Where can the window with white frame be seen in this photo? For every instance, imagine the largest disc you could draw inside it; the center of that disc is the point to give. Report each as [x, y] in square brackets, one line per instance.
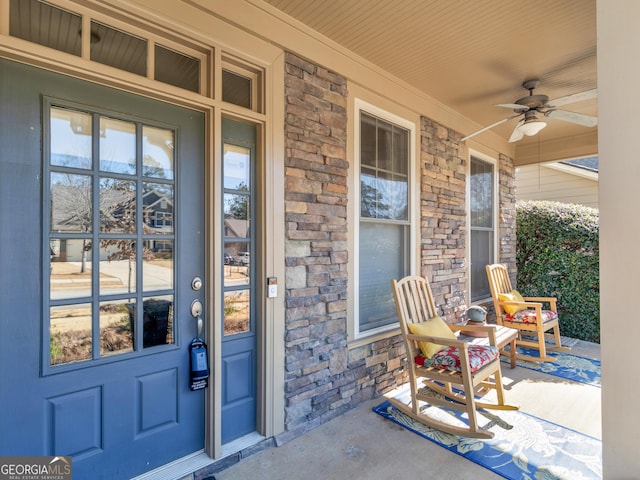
[384, 238]
[482, 198]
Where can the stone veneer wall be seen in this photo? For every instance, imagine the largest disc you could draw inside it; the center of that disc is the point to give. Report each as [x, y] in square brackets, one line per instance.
[324, 377]
[443, 221]
[507, 219]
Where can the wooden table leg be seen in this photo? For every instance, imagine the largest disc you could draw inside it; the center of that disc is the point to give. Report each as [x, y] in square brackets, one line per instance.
[512, 352]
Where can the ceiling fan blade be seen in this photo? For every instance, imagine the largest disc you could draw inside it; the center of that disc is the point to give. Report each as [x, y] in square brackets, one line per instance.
[513, 106]
[489, 127]
[516, 134]
[573, 117]
[573, 98]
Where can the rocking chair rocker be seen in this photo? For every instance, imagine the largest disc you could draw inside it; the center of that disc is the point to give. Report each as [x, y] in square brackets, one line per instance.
[437, 359]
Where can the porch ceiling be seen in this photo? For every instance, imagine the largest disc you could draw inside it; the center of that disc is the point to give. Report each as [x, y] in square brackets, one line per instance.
[471, 55]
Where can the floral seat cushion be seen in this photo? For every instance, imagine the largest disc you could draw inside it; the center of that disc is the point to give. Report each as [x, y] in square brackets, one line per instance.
[529, 316]
[449, 358]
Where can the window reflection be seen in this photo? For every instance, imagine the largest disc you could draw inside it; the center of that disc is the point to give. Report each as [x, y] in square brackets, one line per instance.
[70, 273]
[158, 208]
[157, 269]
[70, 333]
[237, 262]
[117, 205]
[70, 138]
[236, 207]
[236, 312]
[117, 266]
[237, 165]
[71, 203]
[157, 320]
[157, 152]
[117, 146]
[116, 330]
[127, 282]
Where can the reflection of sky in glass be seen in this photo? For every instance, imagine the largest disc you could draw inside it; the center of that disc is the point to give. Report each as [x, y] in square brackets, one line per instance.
[70, 138]
[117, 146]
[157, 152]
[236, 167]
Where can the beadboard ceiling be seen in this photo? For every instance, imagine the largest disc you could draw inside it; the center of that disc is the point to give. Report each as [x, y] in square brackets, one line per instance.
[470, 54]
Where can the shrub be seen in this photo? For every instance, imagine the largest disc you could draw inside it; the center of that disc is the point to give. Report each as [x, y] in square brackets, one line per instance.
[557, 254]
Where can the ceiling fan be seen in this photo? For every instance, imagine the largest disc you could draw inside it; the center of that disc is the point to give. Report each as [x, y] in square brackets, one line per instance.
[530, 106]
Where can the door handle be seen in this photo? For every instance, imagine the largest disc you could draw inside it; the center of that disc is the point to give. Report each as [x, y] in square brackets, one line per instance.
[196, 312]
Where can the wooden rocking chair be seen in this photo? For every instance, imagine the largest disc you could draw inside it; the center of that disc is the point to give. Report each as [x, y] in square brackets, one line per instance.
[438, 360]
[526, 314]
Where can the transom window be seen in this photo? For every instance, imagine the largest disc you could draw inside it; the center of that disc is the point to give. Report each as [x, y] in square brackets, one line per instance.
[384, 226]
[109, 233]
[54, 27]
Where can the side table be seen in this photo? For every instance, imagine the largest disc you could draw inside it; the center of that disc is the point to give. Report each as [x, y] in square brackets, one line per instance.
[504, 336]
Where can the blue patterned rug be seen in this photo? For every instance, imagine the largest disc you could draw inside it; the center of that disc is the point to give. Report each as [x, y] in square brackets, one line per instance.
[571, 367]
[524, 447]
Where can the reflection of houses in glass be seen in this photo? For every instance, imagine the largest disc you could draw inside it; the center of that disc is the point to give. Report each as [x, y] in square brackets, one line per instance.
[236, 228]
[71, 212]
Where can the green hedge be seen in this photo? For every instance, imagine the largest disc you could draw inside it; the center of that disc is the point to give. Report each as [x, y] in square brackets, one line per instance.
[557, 255]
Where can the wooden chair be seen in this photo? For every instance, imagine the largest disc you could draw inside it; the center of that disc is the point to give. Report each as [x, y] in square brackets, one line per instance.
[437, 359]
[526, 314]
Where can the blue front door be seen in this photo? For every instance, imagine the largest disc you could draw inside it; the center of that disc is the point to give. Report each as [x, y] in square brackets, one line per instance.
[102, 234]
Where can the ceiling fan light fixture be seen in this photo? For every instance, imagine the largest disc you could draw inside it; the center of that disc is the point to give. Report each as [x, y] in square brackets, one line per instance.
[531, 126]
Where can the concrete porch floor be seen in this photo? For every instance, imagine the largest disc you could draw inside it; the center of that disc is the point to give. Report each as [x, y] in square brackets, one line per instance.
[362, 445]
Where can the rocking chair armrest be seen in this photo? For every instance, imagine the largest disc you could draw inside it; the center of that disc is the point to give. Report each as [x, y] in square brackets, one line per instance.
[522, 304]
[550, 300]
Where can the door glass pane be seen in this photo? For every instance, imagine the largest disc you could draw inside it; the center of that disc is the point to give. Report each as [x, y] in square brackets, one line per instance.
[237, 262]
[237, 165]
[70, 138]
[134, 266]
[70, 333]
[157, 322]
[71, 203]
[158, 208]
[117, 146]
[237, 311]
[117, 266]
[70, 273]
[117, 205]
[157, 152]
[236, 208]
[116, 329]
[157, 267]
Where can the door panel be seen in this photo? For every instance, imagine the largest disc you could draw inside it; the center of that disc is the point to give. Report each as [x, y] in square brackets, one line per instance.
[239, 377]
[120, 409]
